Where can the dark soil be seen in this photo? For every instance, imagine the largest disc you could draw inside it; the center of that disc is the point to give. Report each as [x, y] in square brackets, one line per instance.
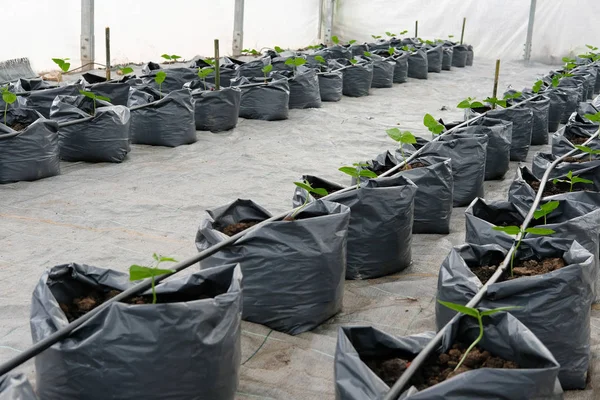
[438, 368]
[234, 229]
[551, 189]
[18, 126]
[576, 160]
[521, 269]
[578, 140]
[407, 167]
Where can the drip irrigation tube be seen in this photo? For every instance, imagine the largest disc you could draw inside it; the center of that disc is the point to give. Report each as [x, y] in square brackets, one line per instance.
[145, 285]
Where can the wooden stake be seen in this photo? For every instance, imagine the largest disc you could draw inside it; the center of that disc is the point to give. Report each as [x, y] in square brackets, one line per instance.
[217, 66]
[107, 53]
[462, 34]
[416, 29]
[496, 81]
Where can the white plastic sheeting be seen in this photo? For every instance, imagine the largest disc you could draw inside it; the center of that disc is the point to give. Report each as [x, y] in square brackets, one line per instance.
[496, 28]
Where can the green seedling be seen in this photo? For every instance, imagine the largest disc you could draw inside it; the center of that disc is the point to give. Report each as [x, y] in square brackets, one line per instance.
[173, 58]
[478, 315]
[94, 97]
[309, 190]
[125, 70]
[203, 73]
[571, 180]
[450, 36]
[353, 60]
[430, 42]
[8, 97]
[159, 79]
[590, 54]
[335, 40]
[434, 126]
[402, 137]
[516, 230]
[266, 69]
[593, 117]
[295, 62]
[314, 47]
[210, 61]
[351, 42]
[366, 54]
[357, 171]
[139, 272]
[494, 101]
[588, 150]
[376, 37]
[62, 63]
[252, 52]
[279, 49]
[537, 86]
[557, 77]
[404, 32]
[570, 63]
[320, 59]
[545, 209]
[390, 34]
[470, 102]
[391, 51]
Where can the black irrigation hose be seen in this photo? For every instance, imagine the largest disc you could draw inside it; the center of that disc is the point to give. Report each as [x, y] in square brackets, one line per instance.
[400, 384]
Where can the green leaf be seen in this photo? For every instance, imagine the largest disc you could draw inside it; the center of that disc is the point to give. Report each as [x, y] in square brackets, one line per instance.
[160, 77]
[585, 149]
[351, 41]
[537, 86]
[289, 61]
[464, 104]
[298, 61]
[335, 39]
[204, 72]
[367, 173]
[391, 51]
[461, 309]
[353, 61]
[320, 191]
[477, 104]
[509, 230]
[390, 34]
[103, 98]
[434, 127]
[174, 57]
[304, 185]
[8, 97]
[166, 56]
[166, 259]
[450, 36]
[267, 68]
[138, 272]
[593, 117]
[349, 171]
[555, 81]
[401, 136]
[404, 32]
[87, 94]
[539, 231]
[577, 179]
[376, 36]
[497, 310]
[320, 59]
[366, 54]
[279, 49]
[546, 209]
[126, 70]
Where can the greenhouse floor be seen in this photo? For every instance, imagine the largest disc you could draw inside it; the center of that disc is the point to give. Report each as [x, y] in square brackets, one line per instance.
[114, 215]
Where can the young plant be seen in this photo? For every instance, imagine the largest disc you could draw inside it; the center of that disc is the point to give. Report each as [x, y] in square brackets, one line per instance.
[366, 53]
[62, 63]
[571, 180]
[390, 34]
[335, 40]
[309, 190]
[478, 315]
[8, 97]
[588, 150]
[252, 52]
[450, 36]
[593, 117]
[357, 171]
[203, 73]
[353, 60]
[557, 77]
[173, 58]
[295, 62]
[470, 102]
[94, 97]
[376, 37]
[139, 272]
[351, 42]
[537, 86]
[159, 79]
[266, 69]
[125, 70]
[320, 60]
[404, 32]
[434, 126]
[279, 49]
[590, 54]
[570, 63]
[391, 51]
[545, 209]
[402, 137]
[516, 230]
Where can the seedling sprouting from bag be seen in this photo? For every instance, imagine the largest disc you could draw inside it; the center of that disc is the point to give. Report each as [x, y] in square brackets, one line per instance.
[493, 101]
[353, 60]
[478, 315]
[320, 59]
[278, 49]
[591, 54]
[125, 70]
[366, 54]
[309, 190]
[94, 97]
[556, 78]
[593, 117]
[434, 126]
[351, 42]
[391, 51]
[516, 230]
[203, 73]
[63, 64]
[470, 102]
[402, 137]
[159, 79]
[335, 40]
[173, 57]
[588, 150]
[357, 171]
[570, 63]
[266, 69]
[537, 86]
[376, 37]
[545, 209]
[571, 180]
[390, 34]
[404, 32]
[295, 62]
[252, 52]
[139, 272]
[8, 97]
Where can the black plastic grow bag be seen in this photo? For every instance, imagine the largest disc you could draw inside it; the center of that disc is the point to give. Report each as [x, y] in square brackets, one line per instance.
[196, 333]
[331, 85]
[504, 336]
[470, 55]
[540, 107]
[29, 154]
[401, 68]
[555, 306]
[165, 122]
[304, 88]
[217, 110]
[41, 100]
[383, 72]
[435, 57]
[459, 56]
[117, 92]
[293, 270]
[266, 102]
[381, 220]
[357, 79]
[335, 52]
[174, 80]
[587, 169]
[417, 64]
[447, 58]
[15, 386]
[103, 137]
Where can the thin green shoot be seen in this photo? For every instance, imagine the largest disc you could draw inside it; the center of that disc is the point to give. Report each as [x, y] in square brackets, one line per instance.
[253, 52]
[309, 190]
[402, 137]
[571, 180]
[434, 126]
[588, 150]
[478, 315]
[94, 97]
[357, 170]
[9, 98]
[516, 230]
[266, 69]
[139, 272]
[159, 78]
[545, 209]
[295, 62]
[203, 73]
[470, 102]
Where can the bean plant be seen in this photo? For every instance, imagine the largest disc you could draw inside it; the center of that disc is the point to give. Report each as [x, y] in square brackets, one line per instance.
[266, 69]
[390, 34]
[278, 49]
[593, 117]
[173, 57]
[571, 180]
[478, 315]
[470, 102]
[252, 52]
[203, 73]
[320, 59]
[402, 137]
[309, 190]
[376, 37]
[434, 126]
[517, 230]
[295, 62]
[9, 98]
[94, 97]
[159, 78]
[588, 150]
[125, 70]
[357, 170]
[139, 272]
[537, 86]
[63, 63]
[545, 209]
[591, 54]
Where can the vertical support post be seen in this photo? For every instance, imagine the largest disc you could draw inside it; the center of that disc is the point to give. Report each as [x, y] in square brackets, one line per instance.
[462, 33]
[217, 66]
[416, 29]
[87, 50]
[107, 32]
[238, 28]
[530, 30]
[329, 22]
[496, 75]
[320, 29]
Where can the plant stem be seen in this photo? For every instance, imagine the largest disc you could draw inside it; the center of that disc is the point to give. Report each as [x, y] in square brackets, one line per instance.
[302, 206]
[571, 187]
[160, 89]
[512, 259]
[5, 111]
[153, 292]
[474, 343]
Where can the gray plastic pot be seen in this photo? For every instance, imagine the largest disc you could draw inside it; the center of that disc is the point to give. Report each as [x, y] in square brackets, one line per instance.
[15, 386]
[216, 110]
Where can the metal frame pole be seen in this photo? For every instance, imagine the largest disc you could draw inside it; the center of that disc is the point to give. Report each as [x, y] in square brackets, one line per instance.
[530, 30]
[329, 22]
[238, 28]
[87, 51]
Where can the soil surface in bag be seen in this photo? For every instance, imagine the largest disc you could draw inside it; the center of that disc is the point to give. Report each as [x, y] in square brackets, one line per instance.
[18, 126]
[439, 367]
[80, 306]
[554, 188]
[236, 228]
[521, 269]
[407, 167]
